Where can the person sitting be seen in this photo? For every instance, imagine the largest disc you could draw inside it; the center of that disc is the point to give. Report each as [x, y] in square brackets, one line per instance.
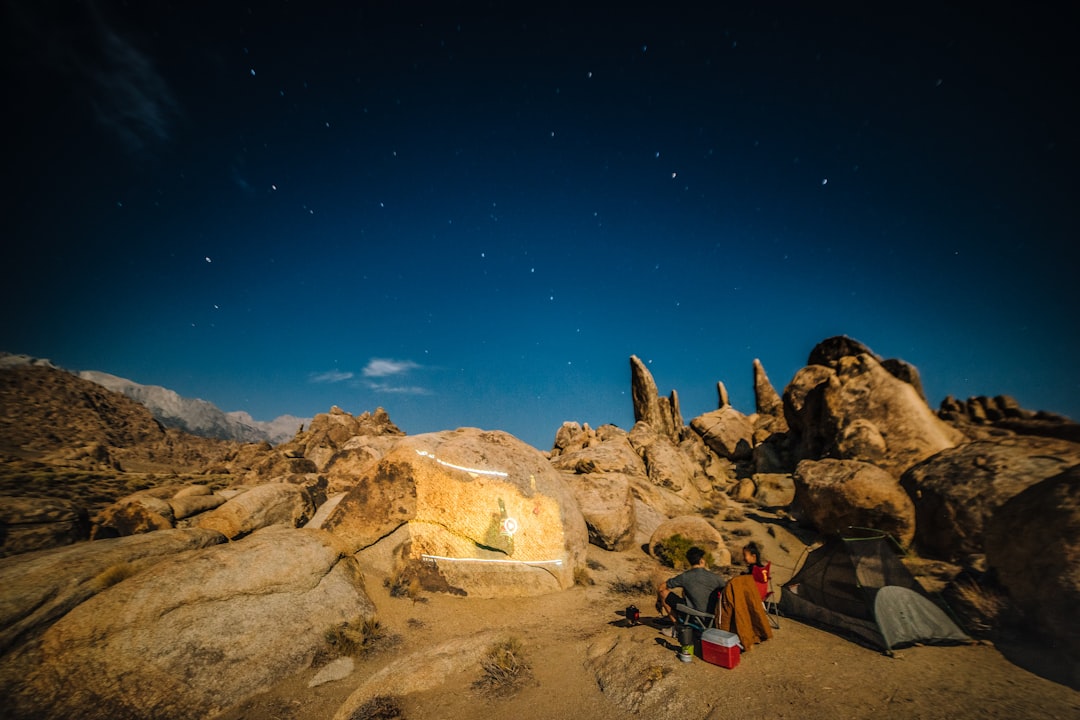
[699, 588]
[751, 554]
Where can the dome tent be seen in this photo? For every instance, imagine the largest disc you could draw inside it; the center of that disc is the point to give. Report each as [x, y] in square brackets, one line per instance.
[858, 587]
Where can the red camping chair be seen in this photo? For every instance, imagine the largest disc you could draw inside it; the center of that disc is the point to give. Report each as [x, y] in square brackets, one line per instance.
[763, 579]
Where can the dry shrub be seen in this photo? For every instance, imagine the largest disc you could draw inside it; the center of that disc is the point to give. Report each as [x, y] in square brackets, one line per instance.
[594, 565]
[380, 707]
[641, 586]
[981, 608]
[405, 584]
[582, 577]
[505, 669]
[651, 676]
[359, 637]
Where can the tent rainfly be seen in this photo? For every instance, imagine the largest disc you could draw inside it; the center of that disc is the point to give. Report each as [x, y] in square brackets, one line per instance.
[858, 586]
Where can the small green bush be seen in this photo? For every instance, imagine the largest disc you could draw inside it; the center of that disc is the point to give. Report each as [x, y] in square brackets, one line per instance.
[672, 552]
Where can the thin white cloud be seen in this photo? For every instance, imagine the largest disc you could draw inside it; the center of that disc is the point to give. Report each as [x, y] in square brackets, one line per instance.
[399, 389]
[382, 367]
[330, 376]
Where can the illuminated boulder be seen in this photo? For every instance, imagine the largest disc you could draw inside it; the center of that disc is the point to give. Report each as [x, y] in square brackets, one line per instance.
[467, 511]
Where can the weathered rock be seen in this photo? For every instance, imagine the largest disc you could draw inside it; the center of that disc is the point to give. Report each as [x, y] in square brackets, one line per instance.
[343, 469]
[1033, 544]
[607, 504]
[188, 637]
[660, 499]
[766, 400]
[774, 489]
[957, 490]
[635, 679]
[37, 588]
[772, 455]
[502, 519]
[138, 513]
[259, 507]
[337, 669]
[857, 410]
[188, 505]
[723, 400]
[193, 491]
[744, 491]
[28, 524]
[718, 472]
[669, 467]
[611, 456]
[727, 432]
[906, 372]
[831, 350]
[426, 669]
[649, 407]
[324, 510]
[833, 495]
[674, 537]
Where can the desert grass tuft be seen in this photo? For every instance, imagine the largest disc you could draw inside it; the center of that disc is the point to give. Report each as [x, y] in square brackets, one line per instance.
[380, 707]
[582, 577]
[359, 637]
[505, 669]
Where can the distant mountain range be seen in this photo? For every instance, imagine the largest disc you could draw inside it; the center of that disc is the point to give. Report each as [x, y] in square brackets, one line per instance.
[191, 415]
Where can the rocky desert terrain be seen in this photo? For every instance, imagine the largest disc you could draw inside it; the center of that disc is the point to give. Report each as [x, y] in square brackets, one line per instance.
[358, 572]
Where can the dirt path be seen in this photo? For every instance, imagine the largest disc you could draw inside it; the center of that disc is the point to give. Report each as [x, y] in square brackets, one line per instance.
[803, 672]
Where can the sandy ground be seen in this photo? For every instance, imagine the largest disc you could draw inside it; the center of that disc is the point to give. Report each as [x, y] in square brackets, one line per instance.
[577, 643]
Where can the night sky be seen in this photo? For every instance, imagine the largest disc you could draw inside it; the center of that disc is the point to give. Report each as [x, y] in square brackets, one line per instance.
[473, 214]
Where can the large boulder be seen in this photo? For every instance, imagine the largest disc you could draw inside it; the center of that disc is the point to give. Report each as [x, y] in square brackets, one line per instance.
[141, 512]
[833, 495]
[671, 540]
[773, 489]
[957, 490]
[194, 634]
[855, 409]
[39, 587]
[727, 432]
[1033, 545]
[259, 507]
[28, 524]
[487, 509]
[607, 503]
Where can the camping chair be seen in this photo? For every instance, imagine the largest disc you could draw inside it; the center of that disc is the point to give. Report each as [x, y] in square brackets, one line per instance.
[700, 621]
[763, 579]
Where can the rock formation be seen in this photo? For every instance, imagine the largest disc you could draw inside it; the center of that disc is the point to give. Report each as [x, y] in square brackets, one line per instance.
[193, 634]
[727, 432]
[848, 406]
[1033, 545]
[37, 523]
[957, 490]
[833, 495]
[490, 512]
[661, 414]
[979, 418]
[766, 400]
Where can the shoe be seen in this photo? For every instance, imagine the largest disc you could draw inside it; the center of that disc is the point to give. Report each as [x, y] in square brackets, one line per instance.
[668, 632]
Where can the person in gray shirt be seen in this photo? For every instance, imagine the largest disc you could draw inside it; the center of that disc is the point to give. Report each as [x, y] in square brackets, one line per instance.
[699, 588]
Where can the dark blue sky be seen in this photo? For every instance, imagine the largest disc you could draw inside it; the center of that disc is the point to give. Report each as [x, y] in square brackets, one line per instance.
[473, 215]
